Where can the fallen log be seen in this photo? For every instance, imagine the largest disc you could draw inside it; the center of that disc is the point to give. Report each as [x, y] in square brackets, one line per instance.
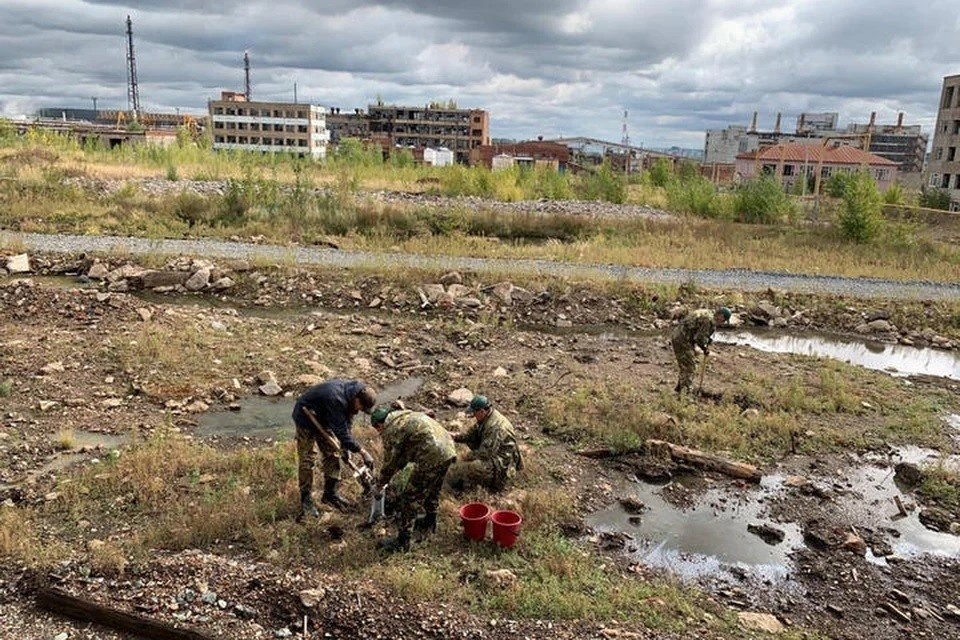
[608, 452]
[62, 603]
[704, 460]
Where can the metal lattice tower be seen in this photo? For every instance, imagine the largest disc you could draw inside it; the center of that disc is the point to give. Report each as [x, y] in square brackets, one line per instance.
[133, 89]
[246, 74]
[625, 136]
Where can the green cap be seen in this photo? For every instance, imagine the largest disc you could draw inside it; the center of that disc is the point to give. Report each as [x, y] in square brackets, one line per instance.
[379, 415]
[726, 313]
[479, 402]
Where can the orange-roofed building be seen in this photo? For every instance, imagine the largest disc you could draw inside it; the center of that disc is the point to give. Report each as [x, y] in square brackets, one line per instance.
[789, 162]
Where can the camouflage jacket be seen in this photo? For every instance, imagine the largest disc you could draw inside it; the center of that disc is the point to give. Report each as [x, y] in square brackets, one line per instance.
[414, 437]
[696, 329]
[494, 441]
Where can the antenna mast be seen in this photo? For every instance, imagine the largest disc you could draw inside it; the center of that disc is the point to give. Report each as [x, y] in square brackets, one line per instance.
[246, 74]
[133, 89]
[625, 136]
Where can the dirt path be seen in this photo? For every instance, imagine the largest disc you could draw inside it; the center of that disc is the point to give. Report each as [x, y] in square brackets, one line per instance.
[743, 280]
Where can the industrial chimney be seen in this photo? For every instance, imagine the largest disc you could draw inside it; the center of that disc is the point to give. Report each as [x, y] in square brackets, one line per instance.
[776, 127]
[753, 124]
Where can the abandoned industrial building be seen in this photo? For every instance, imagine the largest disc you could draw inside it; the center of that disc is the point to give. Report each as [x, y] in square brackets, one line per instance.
[268, 127]
[944, 168]
[459, 130]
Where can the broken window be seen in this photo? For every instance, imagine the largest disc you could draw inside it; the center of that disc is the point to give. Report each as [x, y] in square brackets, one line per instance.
[934, 179]
[945, 181]
[947, 97]
[951, 154]
[939, 153]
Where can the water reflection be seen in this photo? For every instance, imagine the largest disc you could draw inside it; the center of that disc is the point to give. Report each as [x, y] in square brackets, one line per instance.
[896, 359]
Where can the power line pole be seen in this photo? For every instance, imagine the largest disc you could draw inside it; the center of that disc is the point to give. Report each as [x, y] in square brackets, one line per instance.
[133, 89]
[246, 74]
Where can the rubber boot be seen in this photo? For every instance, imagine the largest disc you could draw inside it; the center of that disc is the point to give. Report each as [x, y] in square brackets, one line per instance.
[400, 543]
[331, 495]
[426, 524]
[307, 506]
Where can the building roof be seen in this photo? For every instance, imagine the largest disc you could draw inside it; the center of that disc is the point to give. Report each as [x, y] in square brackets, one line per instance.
[829, 154]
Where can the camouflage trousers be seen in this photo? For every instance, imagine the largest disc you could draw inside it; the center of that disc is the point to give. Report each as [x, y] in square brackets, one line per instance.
[416, 485]
[464, 476]
[307, 446]
[687, 362]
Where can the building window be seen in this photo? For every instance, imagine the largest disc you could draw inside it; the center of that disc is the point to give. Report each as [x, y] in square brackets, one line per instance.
[218, 139]
[880, 175]
[939, 154]
[934, 180]
[956, 127]
[218, 111]
[951, 154]
[788, 170]
[947, 97]
[945, 181]
[956, 182]
[218, 125]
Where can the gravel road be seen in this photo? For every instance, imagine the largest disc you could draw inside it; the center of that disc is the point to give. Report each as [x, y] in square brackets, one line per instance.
[740, 279]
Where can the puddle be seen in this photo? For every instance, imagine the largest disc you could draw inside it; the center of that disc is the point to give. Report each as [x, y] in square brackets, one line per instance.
[899, 360]
[266, 418]
[83, 446]
[709, 538]
[403, 389]
[259, 417]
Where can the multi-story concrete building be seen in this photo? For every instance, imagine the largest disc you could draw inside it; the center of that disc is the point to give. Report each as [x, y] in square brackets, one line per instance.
[269, 127]
[944, 168]
[353, 124]
[459, 130]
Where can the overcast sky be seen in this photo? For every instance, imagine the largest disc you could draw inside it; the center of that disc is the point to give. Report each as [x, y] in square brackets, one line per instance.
[540, 67]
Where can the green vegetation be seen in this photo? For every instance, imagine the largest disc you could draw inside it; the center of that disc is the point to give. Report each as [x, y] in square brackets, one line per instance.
[861, 218]
[763, 201]
[935, 199]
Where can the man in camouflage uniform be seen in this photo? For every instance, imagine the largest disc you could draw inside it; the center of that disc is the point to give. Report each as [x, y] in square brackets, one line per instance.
[695, 330]
[494, 456]
[418, 445]
[334, 403]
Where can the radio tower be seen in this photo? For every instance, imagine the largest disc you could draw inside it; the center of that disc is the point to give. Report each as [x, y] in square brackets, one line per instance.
[133, 89]
[246, 74]
[625, 137]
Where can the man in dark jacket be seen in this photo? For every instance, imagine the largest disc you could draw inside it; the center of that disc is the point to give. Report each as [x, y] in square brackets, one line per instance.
[334, 403]
[415, 442]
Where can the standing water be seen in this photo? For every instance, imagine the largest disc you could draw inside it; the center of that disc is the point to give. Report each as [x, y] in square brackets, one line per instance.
[896, 359]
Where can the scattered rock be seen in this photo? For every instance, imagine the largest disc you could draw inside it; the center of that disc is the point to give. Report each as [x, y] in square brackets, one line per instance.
[271, 388]
[632, 506]
[855, 543]
[768, 533]
[310, 598]
[52, 367]
[198, 281]
[460, 397]
[501, 578]
[753, 621]
[936, 519]
[499, 372]
[908, 473]
[452, 277]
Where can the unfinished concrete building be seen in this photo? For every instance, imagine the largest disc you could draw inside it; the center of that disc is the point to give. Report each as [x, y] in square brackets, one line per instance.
[268, 127]
[459, 130]
[352, 124]
[944, 168]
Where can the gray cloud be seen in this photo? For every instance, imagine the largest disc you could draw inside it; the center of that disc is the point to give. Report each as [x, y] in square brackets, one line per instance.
[541, 67]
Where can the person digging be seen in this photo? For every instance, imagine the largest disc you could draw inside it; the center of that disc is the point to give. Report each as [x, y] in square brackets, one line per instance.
[332, 406]
[414, 444]
[695, 331]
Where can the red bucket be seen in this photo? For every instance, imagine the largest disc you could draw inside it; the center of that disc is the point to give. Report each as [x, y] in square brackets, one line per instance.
[474, 517]
[506, 527]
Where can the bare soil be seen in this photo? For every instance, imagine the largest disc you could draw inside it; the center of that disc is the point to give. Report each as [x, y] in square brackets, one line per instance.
[58, 349]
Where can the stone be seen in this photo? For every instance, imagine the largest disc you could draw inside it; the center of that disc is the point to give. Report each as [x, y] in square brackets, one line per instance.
[457, 290]
[19, 263]
[908, 473]
[501, 578]
[936, 519]
[51, 368]
[632, 506]
[754, 621]
[111, 403]
[880, 326]
[460, 397]
[266, 376]
[271, 388]
[503, 292]
[453, 277]
[221, 284]
[855, 543]
[145, 314]
[47, 405]
[154, 279]
[433, 292]
[469, 302]
[310, 598]
[499, 372]
[309, 380]
[768, 533]
[98, 271]
[199, 280]
[750, 414]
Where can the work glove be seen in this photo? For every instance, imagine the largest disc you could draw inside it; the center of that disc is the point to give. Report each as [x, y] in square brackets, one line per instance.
[367, 459]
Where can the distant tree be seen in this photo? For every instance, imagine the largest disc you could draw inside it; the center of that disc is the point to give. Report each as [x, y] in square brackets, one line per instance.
[861, 217]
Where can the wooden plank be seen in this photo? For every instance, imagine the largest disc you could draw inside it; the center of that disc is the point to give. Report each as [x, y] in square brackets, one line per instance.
[705, 460]
[62, 603]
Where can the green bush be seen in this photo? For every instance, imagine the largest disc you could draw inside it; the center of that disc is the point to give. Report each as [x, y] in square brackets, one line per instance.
[861, 216]
[894, 194]
[763, 201]
[935, 199]
[695, 195]
[661, 173]
[604, 184]
[837, 184]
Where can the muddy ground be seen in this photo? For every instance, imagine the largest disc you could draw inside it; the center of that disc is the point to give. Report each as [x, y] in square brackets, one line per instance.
[66, 354]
